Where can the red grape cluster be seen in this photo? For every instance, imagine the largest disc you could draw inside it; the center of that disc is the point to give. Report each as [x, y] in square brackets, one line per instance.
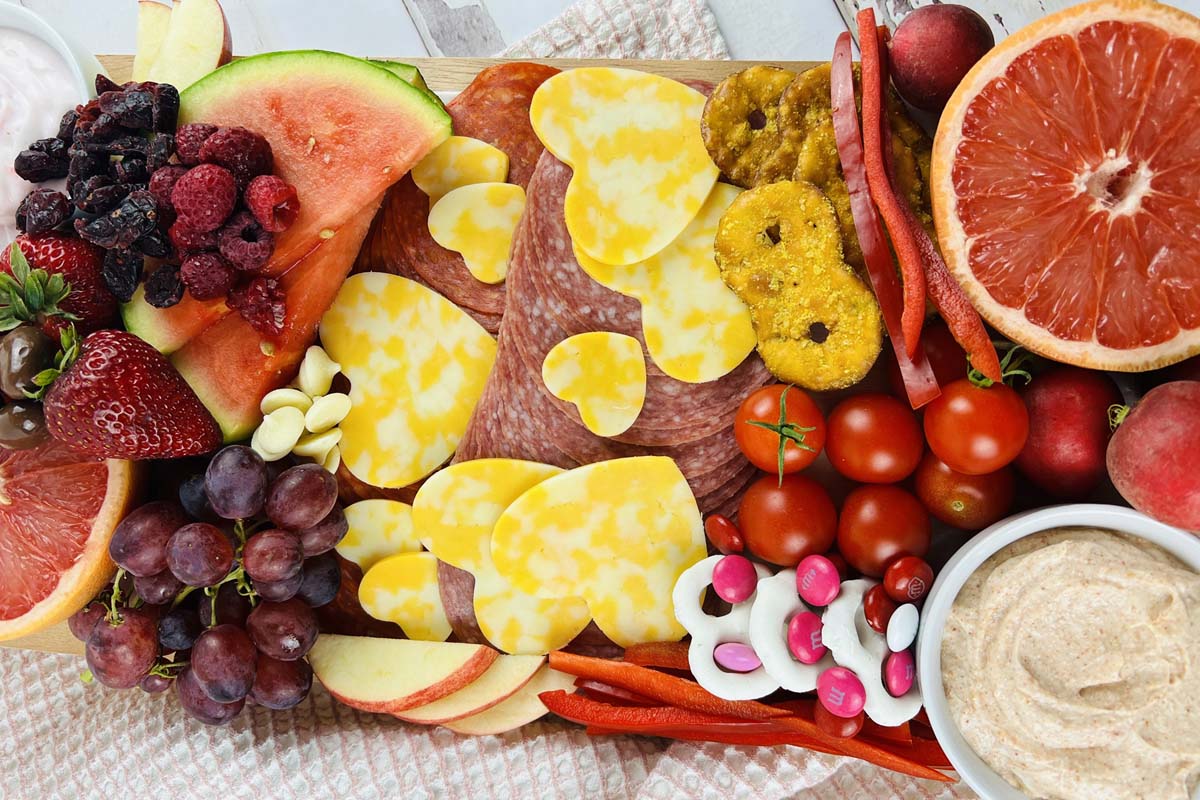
[215, 593]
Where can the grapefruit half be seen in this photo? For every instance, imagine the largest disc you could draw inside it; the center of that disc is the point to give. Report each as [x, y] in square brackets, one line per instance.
[1066, 185]
[58, 511]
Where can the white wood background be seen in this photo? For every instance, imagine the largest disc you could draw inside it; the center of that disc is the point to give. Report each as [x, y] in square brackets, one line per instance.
[754, 29]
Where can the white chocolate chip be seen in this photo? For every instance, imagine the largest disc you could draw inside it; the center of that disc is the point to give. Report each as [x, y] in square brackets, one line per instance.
[267, 455]
[316, 372]
[317, 445]
[333, 460]
[280, 430]
[326, 412]
[281, 398]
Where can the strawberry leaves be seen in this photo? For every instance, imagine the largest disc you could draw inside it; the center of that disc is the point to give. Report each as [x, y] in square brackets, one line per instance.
[68, 351]
[30, 295]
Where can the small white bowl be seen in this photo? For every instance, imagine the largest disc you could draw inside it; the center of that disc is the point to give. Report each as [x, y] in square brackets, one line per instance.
[978, 775]
[83, 65]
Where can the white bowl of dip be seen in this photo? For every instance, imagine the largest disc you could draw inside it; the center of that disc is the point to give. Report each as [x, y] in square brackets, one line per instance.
[950, 581]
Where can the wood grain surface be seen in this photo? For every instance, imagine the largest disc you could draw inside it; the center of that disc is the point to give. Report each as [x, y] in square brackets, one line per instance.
[442, 74]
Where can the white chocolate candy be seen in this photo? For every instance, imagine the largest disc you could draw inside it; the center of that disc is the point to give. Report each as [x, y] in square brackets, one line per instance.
[902, 627]
[326, 412]
[278, 433]
[775, 603]
[317, 371]
[317, 445]
[282, 398]
[333, 459]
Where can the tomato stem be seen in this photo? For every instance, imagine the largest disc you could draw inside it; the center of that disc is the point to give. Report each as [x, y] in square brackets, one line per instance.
[1014, 365]
[787, 431]
[1117, 414]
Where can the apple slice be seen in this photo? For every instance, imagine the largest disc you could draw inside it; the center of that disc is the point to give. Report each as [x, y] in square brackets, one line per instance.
[390, 675]
[197, 42]
[153, 18]
[503, 679]
[519, 709]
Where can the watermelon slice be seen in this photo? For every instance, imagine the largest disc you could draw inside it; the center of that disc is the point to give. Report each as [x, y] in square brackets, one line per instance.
[342, 130]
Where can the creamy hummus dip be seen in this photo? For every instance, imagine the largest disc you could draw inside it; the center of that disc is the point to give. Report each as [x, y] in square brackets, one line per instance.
[1071, 664]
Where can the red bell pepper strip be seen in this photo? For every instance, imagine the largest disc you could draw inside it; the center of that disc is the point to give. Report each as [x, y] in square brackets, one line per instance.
[611, 694]
[665, 655]
[725, 734]
[690, 695]
[922, 751]
[919, 381]
[900, 734]
[907, 252]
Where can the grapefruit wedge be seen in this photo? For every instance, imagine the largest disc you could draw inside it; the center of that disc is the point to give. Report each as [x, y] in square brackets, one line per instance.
[1066, 185]
[57, 512]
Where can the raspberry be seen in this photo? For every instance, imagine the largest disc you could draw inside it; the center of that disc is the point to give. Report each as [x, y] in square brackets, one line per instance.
[205, 197]
[244, 243]
[262, 304]
[187, 240]
[189, 139]
[272, 202]
[241, 151]
[164, 288]
[206, 276]
[161, 184]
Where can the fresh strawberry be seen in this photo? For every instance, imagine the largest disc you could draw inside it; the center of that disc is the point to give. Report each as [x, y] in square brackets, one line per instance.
[85, 298]
[123, 399]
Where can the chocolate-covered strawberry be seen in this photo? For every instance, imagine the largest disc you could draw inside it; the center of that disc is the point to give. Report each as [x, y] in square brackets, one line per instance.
[123, 399]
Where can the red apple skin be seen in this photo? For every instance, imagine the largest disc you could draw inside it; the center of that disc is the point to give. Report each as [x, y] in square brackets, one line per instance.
[933, 49]
[227, 42]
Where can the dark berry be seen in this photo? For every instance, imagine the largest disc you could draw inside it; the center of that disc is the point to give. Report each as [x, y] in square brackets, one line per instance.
[66, 126]
[194, 498]
[243, 152]
[207, 276]
[189, 139]
[85, 165]
[262, 304]
[43, 210]
[102, 129]
[165, 108]
[106, 84]
[244, 243]
[52, 147]
[163, 181]
[178, 628]
[130, 108]
[98, 194]
[204, 197]
[154, 244]
[161, 148]
[122, 273]
[133, 218]
[164, 288]
[186, 240]
[130, 170]
[37, 167]
[273, 202]
[120, 146]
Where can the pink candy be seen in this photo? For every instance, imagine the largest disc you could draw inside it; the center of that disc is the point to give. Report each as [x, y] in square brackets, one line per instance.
[841, 692]
[804, 638]
[736, 657]
[899, 673]
[817, 580]
[734, 579]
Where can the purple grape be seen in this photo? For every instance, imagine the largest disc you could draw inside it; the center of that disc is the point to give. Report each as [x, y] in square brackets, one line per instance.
[194, 499]
[201, 706]
[158, 589]
[154, 684]
[223, 663]
[280, 685]
[325, 535]
[322, 579]
[83, 621]
[178, 629]
[236, 482]
[199, 554]
[272, 555]
[139, 544]
[120, 655]
[286, 631]
[301, 497]
[231, 607]
[278, 591]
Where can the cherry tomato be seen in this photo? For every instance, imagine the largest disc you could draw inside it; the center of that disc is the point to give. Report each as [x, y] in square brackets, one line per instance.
[970, 502]
[878, 608]
[761, 445]
[976, 430]
[783, 523]
[841, 727]
[947, 358]
[874, 438]
[880, 523]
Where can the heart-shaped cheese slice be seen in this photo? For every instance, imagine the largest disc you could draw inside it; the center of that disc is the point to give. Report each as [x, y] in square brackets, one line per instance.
[377, 529]
[633, 139]
[619, 533]
[417, 365]
[696, 328]
[459, 161]
[478, 221]
[603, 374]
[404, 589]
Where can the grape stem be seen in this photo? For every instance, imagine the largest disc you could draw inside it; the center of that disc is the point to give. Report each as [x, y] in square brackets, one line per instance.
[113, 615]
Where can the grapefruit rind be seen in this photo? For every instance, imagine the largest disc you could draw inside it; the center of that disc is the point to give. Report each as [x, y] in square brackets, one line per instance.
[953, 239]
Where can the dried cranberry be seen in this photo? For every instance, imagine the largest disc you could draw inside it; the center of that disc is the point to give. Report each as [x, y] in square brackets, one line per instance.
[162, 182]
[103, 128]
[243, 152]
[273, 202]
[154, 244]
[165, 108]
[66, 126]
[262, 304]
[164, 288]
[130, 108]
[86, 165]
[189, 139]
[98, 194]
[122, 273]
[244, 243]
[52, 147]
[37, 167]
[43, 210]
[105, 84]
[205, 196]
[207, 276]
[130, 170]
[133, 218]
[121, 146]
[187, 240]
[161, 148]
